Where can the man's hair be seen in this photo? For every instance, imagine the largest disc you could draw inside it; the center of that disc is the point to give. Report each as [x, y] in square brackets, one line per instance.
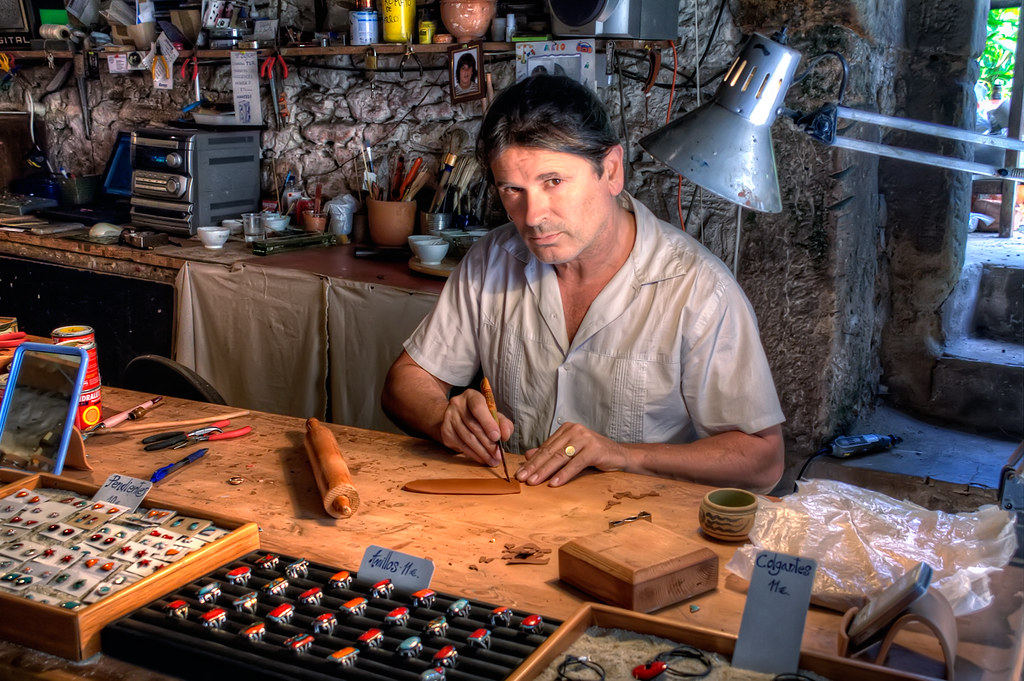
[554, 113]
[466, 59]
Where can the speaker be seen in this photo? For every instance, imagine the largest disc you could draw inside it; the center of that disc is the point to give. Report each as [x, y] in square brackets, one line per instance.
[650, 20]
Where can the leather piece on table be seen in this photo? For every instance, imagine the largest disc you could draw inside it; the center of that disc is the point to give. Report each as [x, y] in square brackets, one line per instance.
[462, 486]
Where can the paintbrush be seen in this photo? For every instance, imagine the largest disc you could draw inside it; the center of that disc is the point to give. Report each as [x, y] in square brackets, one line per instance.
[485, 388]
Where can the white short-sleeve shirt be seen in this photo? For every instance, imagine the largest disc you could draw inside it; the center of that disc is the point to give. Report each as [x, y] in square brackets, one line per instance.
[668, 352]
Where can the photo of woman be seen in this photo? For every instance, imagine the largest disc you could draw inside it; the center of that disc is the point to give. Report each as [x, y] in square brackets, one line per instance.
[464, 66]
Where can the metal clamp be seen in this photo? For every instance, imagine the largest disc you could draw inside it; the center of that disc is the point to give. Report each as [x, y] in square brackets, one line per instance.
[642, 515]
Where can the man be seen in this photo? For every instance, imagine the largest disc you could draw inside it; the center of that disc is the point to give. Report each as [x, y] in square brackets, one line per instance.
[611, 339]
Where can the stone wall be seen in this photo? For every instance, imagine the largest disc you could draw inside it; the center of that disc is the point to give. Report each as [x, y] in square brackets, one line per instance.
[824, 275]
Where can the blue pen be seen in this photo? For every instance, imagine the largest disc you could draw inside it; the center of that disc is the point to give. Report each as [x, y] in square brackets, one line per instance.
[162, 473]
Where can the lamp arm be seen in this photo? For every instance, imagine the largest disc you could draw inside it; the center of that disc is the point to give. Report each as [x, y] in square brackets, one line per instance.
[822, 125]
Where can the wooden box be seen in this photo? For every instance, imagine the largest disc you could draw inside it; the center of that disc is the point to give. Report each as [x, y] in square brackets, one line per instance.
[595, 614]
[75, 634]
[638, 566]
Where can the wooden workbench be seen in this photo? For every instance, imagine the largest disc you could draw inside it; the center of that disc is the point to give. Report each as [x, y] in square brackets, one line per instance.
[463, 535]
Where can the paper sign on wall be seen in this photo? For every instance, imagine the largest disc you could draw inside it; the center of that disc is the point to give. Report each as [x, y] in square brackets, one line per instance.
[773, 618]
[245, 85]
[404, 571]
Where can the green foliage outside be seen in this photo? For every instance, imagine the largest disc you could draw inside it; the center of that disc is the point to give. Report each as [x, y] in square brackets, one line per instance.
[997, 60]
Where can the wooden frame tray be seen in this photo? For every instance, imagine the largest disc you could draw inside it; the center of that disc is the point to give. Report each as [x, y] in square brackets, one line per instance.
[75, 634]
[595, 614]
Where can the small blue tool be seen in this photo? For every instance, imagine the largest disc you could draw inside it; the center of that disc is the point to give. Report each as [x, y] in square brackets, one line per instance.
[162, 473]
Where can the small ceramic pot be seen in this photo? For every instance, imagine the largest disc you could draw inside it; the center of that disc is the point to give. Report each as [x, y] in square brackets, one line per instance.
[467, 19]
[728, 514]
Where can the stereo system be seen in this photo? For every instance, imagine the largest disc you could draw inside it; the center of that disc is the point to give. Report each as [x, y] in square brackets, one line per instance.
[650, 20]
[183, 179]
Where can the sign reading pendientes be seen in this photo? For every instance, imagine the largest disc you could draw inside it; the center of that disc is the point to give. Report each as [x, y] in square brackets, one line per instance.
[404, 571]
[775, 612]
[122, 490]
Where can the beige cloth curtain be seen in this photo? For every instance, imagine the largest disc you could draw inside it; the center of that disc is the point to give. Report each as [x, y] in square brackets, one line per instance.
[272, 338]
[259, 335]
[367, 325]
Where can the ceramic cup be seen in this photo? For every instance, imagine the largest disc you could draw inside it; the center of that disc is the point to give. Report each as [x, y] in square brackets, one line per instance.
[391, 222]
[313, 221]
[728, 513]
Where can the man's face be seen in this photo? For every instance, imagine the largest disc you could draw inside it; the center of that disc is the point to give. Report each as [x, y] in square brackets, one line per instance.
[562, 208]
[465, 75]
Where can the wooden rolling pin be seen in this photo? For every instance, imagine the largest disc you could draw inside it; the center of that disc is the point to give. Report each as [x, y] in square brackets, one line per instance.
[330, 470]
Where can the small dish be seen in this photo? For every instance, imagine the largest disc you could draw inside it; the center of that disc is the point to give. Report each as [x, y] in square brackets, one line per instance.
[432, 252]
[235, 226]
[276, 222]
[213, 236]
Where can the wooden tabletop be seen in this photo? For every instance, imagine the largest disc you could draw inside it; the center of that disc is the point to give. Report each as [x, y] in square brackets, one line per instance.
[463, 535]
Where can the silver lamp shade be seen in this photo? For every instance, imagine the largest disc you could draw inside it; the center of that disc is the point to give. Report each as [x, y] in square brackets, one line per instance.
[725, 146]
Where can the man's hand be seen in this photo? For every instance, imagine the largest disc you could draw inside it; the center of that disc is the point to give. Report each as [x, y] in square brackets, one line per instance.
[568, 451]
[469, 428]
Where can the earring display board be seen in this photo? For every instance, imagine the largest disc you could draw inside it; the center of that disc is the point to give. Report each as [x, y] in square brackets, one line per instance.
[270, 616]
[70, 565]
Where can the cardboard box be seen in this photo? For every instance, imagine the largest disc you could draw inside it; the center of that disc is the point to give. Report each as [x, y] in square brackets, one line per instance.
[638, 566]
[75, 634]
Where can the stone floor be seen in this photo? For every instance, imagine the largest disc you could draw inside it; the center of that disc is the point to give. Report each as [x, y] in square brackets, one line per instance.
[937, 466]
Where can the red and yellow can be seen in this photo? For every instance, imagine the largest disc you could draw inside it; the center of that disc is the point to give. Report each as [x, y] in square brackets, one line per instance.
[89, 403]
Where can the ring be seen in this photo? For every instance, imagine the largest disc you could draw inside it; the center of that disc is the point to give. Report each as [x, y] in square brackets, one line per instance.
[570, 451]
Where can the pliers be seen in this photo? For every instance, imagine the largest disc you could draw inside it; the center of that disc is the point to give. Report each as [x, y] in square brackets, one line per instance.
[409, 52]
[268, 70]
[179, 438]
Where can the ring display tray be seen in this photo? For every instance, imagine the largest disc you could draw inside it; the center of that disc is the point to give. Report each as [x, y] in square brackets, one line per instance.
[307, 627]
[832, 667]
[74, 632]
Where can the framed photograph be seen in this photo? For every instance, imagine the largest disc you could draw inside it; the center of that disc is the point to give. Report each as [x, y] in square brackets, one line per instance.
[464, 69]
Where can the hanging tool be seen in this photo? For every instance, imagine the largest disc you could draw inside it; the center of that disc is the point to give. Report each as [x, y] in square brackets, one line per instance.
[409, 52]
[83, 89]
[370, 65]
[269, 70]
[194, 63]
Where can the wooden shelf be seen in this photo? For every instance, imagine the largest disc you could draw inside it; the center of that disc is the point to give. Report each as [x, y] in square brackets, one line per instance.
[335, 50]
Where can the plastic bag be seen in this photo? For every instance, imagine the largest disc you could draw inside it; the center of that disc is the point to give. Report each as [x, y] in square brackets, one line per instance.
[341, 209]
[864, 541]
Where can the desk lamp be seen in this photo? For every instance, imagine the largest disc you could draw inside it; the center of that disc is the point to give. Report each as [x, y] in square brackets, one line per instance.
[725, 145]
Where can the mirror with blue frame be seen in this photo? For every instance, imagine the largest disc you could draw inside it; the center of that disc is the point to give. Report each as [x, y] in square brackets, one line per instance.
[37, 414]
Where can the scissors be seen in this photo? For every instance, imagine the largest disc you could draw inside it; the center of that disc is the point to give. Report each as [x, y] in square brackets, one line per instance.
[177, 439]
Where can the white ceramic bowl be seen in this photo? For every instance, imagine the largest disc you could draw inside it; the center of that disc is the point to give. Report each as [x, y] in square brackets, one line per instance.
[416, 239]
[276, 222]
[234, 225]
[213, 236]
[432, 252]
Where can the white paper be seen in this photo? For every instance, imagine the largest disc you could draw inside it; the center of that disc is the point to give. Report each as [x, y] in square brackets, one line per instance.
[123, 490]
[404, 571]
[774, 615]
[245, 85]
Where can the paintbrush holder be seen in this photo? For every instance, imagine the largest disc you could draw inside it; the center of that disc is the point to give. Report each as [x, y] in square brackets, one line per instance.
[390, 222]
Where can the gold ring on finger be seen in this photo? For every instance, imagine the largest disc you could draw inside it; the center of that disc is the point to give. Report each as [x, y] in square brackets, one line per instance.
[570, 451]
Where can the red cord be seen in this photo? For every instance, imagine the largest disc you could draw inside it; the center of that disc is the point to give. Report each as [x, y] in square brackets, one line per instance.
[668, 116]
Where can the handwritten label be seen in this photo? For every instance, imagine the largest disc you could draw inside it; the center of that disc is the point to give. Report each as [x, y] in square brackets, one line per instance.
[404, 571]
[123, 491]
[773, 618]
[245, 86]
